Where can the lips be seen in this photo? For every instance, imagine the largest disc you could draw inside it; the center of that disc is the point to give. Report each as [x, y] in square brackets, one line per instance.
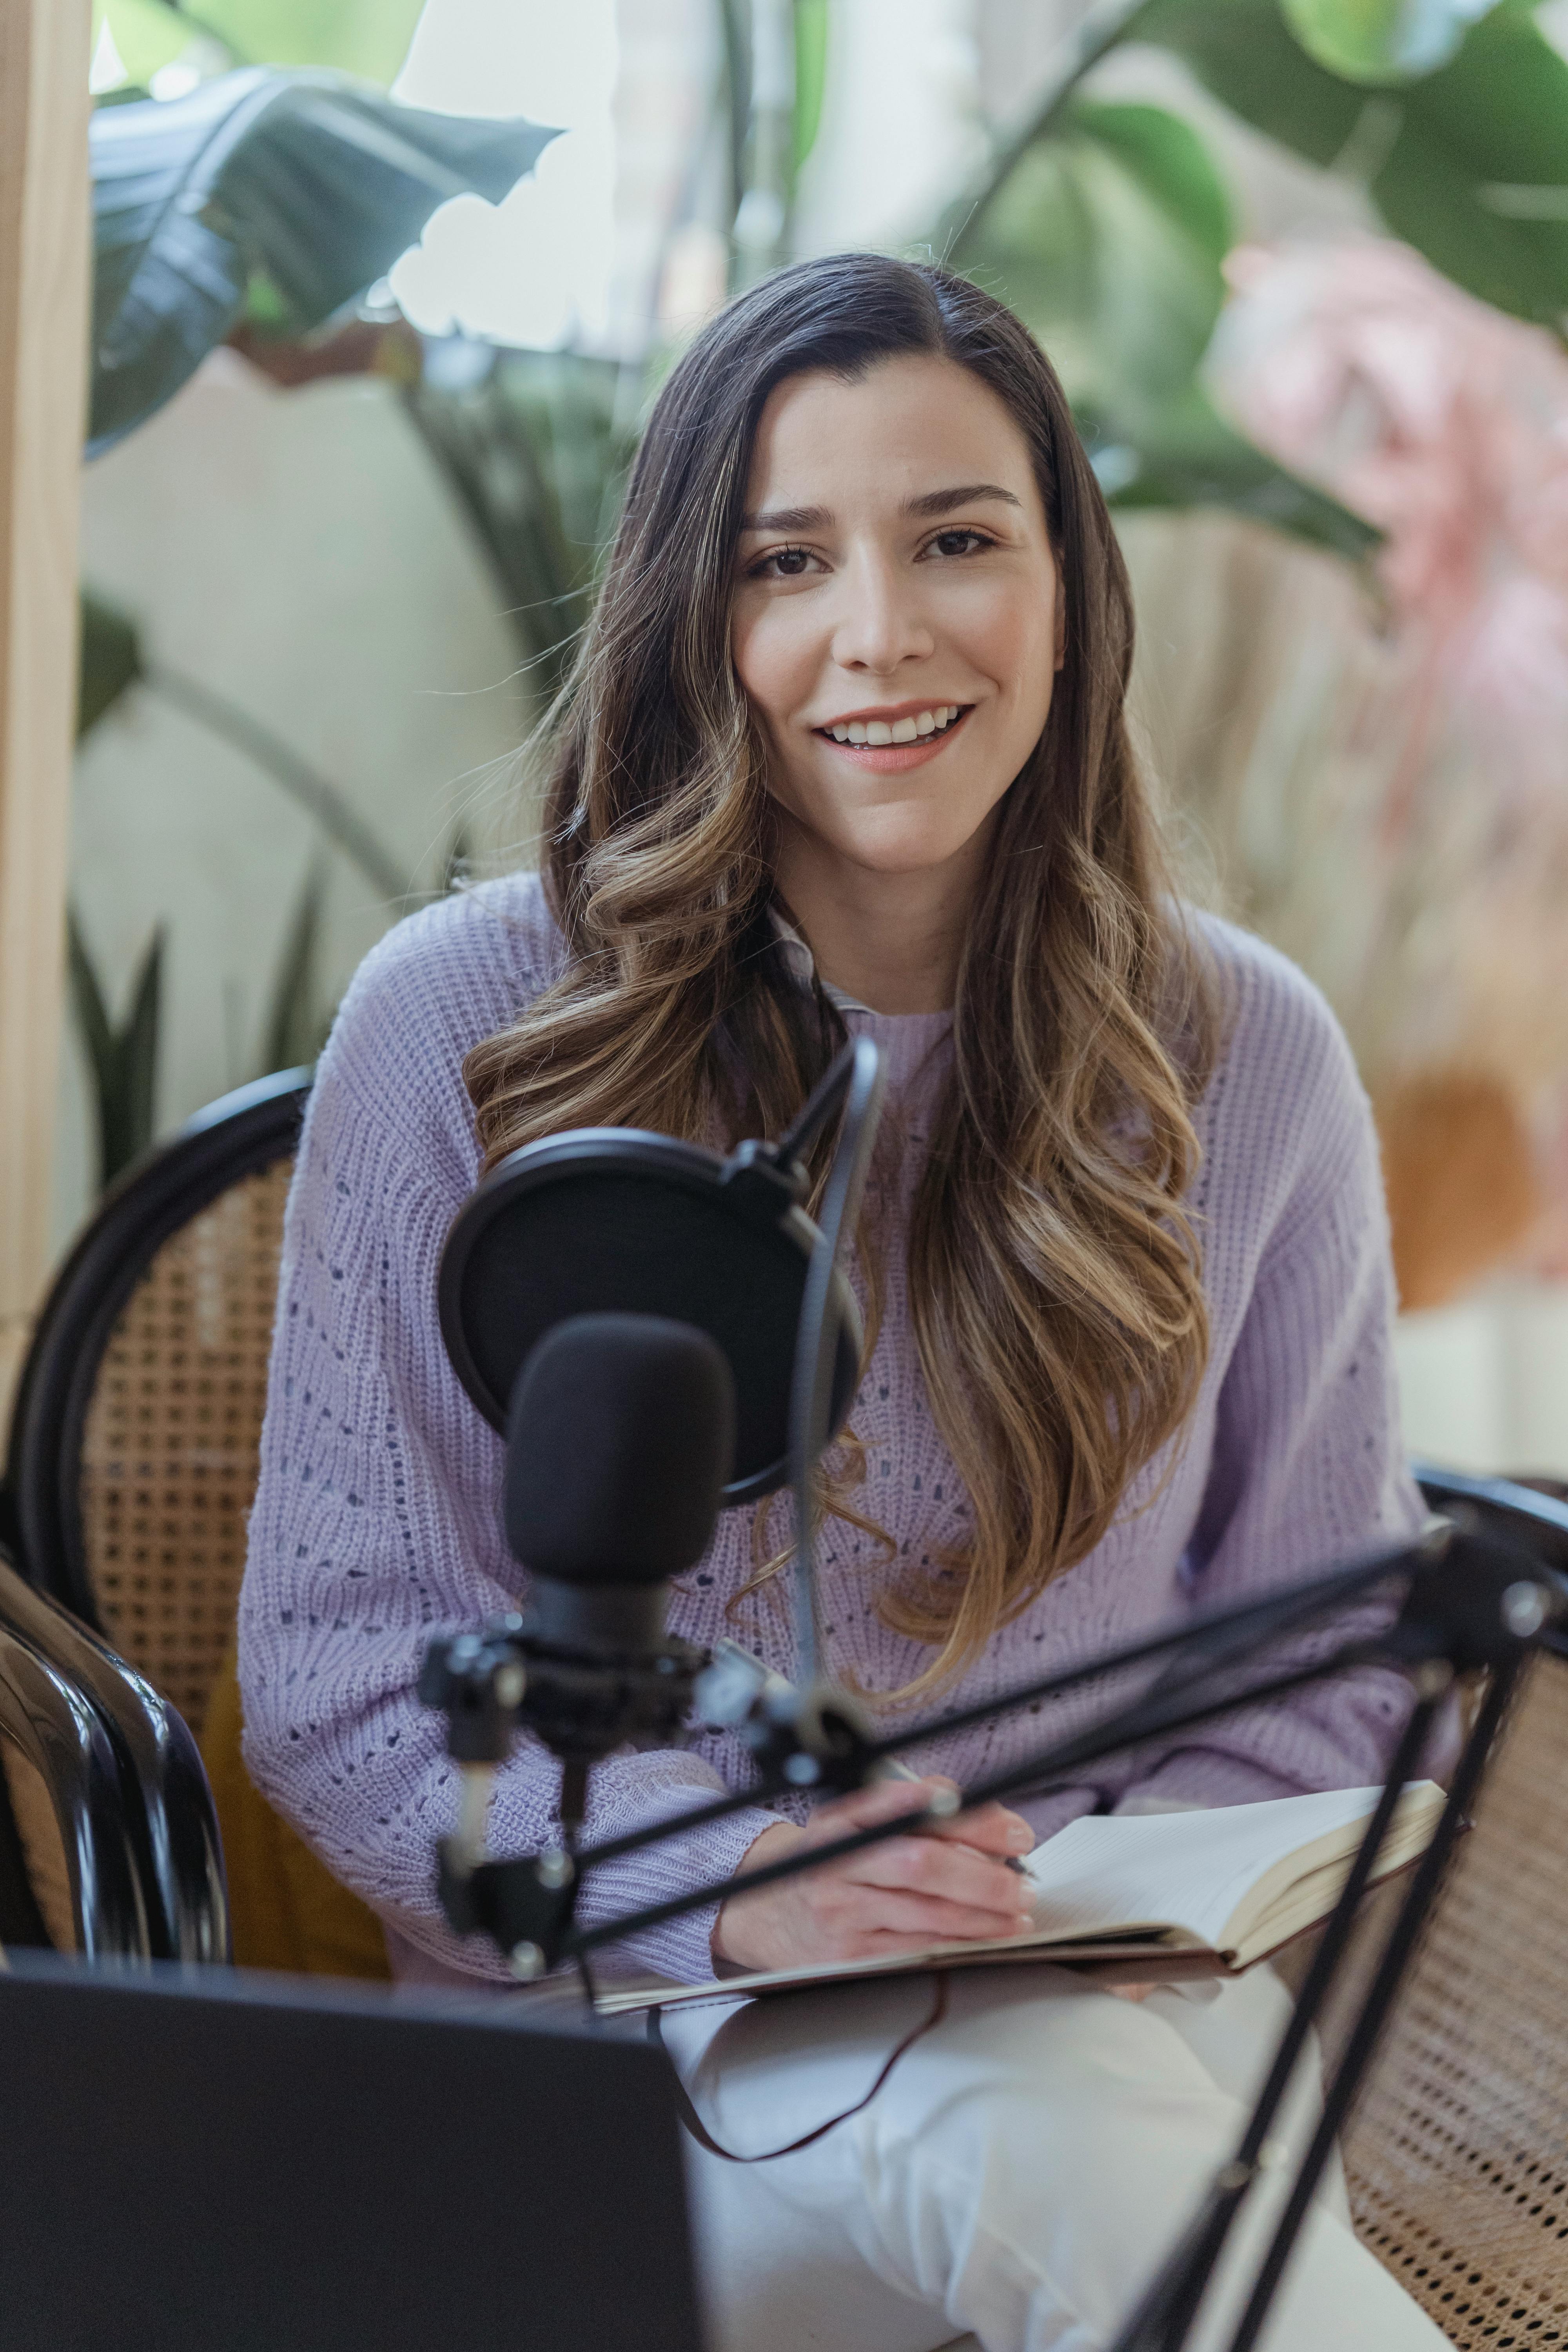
[898, 743]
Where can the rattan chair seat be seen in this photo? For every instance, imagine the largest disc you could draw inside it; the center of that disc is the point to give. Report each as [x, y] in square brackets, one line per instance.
[1458, 2158]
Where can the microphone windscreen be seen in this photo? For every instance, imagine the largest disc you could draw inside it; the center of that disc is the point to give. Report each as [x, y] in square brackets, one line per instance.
[620, 1437]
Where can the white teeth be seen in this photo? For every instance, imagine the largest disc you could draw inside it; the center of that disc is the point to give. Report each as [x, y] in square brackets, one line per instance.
[879, 731]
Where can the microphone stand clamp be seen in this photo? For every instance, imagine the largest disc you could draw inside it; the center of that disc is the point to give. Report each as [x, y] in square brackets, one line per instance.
[511, 1678]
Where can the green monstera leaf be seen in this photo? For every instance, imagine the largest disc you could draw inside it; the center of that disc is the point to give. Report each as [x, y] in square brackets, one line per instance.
[1382, 40]
[309, 184]
[1468, 163]
[367, 37]
[1107, 236]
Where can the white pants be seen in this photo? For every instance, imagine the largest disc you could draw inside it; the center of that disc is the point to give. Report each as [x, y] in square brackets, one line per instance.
[1019, 2175]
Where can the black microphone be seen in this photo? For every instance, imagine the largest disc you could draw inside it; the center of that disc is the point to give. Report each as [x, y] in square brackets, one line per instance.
[620, 1435]
[620, 1440]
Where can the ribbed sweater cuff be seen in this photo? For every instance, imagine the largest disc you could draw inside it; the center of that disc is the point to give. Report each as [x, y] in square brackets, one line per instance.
[682, 1948]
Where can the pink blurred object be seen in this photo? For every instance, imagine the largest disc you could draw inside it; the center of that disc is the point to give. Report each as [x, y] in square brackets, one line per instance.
[1446, 424]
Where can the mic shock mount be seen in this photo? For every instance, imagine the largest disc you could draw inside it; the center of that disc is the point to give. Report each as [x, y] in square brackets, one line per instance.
[509, 1680]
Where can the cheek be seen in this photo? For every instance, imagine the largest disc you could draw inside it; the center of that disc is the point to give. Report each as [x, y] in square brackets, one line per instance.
[1011, 639]
[772, 659]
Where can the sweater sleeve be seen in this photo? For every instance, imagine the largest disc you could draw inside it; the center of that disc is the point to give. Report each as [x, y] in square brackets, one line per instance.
[1307, 1468]
[375, 1525]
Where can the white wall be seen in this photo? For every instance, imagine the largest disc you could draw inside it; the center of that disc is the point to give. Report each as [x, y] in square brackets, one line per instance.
[901, 124]
[1485, 1382]
[298, 552]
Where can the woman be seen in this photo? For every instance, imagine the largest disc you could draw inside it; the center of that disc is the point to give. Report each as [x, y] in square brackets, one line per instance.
[844, 752]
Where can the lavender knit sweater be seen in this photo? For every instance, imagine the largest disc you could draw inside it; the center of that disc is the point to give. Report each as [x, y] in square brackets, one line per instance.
[375, 1520]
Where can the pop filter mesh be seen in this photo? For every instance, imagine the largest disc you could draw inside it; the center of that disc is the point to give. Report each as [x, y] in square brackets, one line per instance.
[590, 1241]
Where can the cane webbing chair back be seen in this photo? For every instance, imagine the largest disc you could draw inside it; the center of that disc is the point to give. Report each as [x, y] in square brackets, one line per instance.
[133, 1448]
[1458, 2155]
[169, 1443]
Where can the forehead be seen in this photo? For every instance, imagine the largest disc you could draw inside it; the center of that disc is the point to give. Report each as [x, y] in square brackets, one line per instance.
[908, 425]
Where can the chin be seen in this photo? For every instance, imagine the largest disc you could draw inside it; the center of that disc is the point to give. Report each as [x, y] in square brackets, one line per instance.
[906, 848]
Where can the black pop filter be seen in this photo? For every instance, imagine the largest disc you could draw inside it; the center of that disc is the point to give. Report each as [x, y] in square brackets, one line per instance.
[613, 1220]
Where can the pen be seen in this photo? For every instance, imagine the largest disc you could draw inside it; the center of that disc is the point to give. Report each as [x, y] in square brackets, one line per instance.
[893, 1770]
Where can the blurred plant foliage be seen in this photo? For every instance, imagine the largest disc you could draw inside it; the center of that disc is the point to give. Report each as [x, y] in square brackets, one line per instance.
[1107, 225]
[298, 1015]
[299, 190]
[772, 84]
[271, 195]
[276, 198]
[121, 1055]
[535, 445]
[366, 37]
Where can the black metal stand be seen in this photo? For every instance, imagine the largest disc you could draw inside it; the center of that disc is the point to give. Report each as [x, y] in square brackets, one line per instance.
[1470, 1602]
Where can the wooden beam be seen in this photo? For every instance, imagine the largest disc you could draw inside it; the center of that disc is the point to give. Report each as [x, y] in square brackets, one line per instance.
[43, 293]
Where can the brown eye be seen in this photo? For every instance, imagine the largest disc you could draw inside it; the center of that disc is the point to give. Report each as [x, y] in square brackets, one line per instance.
[789, 562]
[959, 542]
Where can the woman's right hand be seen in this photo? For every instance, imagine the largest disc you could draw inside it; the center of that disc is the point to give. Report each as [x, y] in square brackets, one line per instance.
[948, 1881]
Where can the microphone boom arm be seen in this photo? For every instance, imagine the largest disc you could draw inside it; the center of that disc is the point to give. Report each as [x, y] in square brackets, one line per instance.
[857, 1079]
[1471, 1601]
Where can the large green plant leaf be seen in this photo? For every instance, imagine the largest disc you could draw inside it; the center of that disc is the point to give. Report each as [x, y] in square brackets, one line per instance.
[1107, 236]
[1469, 164]
[1382, 40]
[368, 37]
[308, 182]
[535, 445]
[810, 74]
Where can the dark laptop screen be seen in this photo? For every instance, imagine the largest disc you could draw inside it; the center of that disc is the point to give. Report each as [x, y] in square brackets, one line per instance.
[207, 2161]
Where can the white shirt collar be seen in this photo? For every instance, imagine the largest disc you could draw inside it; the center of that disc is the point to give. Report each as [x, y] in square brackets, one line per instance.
[801, 964]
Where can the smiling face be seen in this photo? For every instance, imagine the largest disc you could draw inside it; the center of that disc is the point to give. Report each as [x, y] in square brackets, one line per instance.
[897, 612]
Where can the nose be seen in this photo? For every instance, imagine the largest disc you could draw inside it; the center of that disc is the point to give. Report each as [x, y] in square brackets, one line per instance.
[880, 623]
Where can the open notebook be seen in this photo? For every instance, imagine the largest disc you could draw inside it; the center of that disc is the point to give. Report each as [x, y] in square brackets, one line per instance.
[1158, 1894]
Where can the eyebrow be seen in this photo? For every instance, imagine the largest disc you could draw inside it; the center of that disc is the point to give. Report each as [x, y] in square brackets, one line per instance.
[930, 504]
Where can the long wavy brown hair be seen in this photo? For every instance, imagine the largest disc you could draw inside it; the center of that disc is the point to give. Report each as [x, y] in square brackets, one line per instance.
[1053, 1266]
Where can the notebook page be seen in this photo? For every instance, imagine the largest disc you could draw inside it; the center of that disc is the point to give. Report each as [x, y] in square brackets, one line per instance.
[1306, 1886]
[1184, 1870]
